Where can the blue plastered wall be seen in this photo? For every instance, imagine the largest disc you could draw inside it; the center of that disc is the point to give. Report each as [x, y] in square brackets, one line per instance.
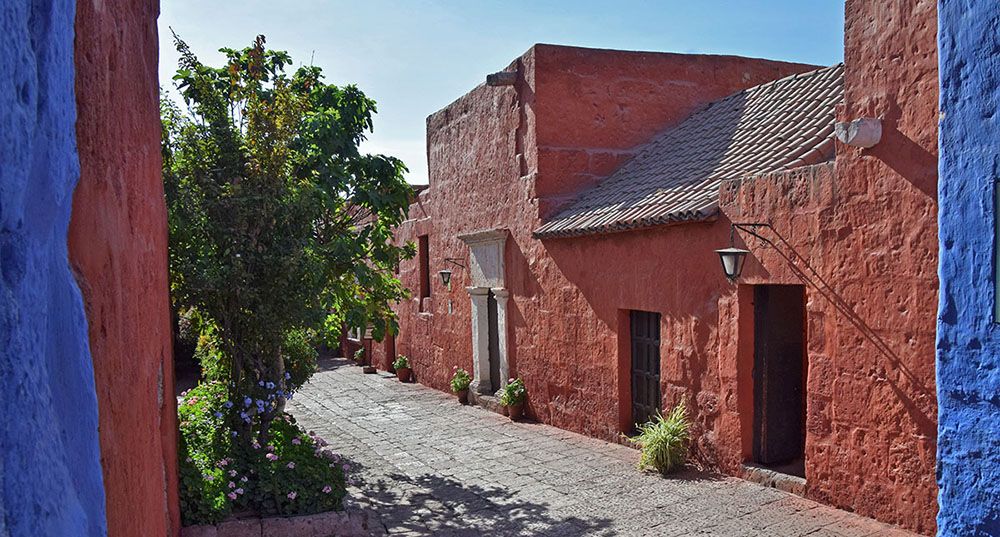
[968, 355]
[50, 469]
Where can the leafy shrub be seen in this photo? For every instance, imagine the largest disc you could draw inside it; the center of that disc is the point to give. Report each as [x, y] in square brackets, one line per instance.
[299, 353]
[208, 353]
[359, 355]
[460, 380]
[664, 440]
[401, 362]
[513, 393]
[290, 475]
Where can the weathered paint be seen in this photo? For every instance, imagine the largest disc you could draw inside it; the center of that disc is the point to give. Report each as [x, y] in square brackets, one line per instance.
[968, 364]
[118, 247]
[50, 469]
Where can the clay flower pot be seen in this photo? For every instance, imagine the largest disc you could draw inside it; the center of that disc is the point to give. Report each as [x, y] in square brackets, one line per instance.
[403, 374]
[463, 397]
[515, 411]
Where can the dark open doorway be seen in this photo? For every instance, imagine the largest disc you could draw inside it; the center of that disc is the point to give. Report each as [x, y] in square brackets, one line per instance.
[779, 378]
[494, 344]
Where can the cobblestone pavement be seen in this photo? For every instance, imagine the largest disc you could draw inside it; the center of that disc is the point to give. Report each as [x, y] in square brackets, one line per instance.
[429, 466]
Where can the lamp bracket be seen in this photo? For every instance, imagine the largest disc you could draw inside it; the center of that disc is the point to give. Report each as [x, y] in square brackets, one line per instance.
[454, 261]
[748, 227]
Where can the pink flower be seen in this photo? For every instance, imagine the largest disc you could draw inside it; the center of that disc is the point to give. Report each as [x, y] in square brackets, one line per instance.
[223, 462]
[232, 473]
[292, 495]
[232, 485]
[291, 466]
[270, 448]
[327, 489]
[271, 457]
[296, 441]
[232, 495]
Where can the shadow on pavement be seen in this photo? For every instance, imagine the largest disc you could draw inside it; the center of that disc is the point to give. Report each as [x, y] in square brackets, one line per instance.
[437, 505]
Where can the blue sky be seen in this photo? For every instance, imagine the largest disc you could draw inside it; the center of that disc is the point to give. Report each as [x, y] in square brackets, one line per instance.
[416, 56]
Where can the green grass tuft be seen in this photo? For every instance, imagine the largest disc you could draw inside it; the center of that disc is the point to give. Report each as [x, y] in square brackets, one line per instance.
[664, 440]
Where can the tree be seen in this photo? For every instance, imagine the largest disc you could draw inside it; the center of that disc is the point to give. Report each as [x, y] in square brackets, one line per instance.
[278, 223]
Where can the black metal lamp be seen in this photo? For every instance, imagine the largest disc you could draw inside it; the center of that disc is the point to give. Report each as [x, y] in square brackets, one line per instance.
[733, 258]
[445, 277]
[732, 261]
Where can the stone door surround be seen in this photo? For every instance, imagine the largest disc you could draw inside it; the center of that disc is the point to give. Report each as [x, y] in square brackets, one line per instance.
[486, 270]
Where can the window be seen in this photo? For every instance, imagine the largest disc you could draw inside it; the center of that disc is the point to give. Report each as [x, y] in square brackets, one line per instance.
[423, 257]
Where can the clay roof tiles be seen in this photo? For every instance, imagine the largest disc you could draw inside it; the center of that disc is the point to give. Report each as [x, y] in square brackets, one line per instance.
[780, 125]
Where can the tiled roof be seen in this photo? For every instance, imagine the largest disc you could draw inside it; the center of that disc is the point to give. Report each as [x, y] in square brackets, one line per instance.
[780, 125]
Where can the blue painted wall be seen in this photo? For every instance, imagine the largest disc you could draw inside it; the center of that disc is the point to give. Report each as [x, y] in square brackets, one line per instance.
[50, 469]
[968, 362]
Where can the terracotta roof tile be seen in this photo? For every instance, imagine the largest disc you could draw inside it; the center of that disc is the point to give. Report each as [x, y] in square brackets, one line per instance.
[783, 124]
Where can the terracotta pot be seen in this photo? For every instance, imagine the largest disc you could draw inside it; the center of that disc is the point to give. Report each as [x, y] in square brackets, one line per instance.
[463, 397]
[403, 374]
[515, 411]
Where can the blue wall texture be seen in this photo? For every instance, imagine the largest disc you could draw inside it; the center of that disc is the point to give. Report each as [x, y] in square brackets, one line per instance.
[968, 361]
[50, 469]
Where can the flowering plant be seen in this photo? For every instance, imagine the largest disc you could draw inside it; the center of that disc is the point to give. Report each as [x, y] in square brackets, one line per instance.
[291, 474]
[460, 380]
[401, 362]
[513, 393]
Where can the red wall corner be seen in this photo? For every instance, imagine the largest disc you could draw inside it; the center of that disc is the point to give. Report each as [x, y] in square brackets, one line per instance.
[118, 248]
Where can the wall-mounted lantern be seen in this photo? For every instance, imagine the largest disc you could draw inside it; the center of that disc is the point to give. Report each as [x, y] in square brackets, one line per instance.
[446, 274]
[445, 278]
[734, 258]
[732, 261]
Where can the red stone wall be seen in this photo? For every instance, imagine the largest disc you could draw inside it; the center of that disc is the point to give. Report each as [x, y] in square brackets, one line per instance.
[493, 153]
[118, 248]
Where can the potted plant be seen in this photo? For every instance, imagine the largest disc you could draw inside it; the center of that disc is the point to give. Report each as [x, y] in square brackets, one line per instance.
[359, 356]
[402, 367]
[512, 397]
[460, 384]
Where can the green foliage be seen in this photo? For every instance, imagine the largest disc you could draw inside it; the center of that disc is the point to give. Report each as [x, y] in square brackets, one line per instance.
[460, 380]
[514, 393]
[279, 225]
[289, 475]
[401, 362]
[299, 353]
[359, 355]
[664, 440]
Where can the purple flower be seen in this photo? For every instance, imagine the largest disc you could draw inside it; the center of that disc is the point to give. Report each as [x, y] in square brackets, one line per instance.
[292, 495]
[232, 495]
[296, 441]
[291, 466]
[345, 467]
[228, 404]
[327, 489]
[243, 480]
[269, 386]
[232, 473]
[247, 401]
[208, 477]
[260, 383]
[287, 375]
[218, 414]
[232, 485]
[239, 491]
[271, 457]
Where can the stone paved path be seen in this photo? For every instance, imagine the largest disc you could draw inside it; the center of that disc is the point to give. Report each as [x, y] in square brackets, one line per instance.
[432, 467]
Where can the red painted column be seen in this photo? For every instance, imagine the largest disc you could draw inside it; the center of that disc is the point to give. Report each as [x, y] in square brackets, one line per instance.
[118, 248]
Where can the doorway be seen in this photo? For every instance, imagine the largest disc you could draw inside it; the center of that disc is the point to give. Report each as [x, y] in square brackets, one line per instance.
[494, 344]
[645, 339]
[779, 373]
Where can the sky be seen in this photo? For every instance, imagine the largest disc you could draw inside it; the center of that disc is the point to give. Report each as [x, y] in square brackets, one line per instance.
[416, 56]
